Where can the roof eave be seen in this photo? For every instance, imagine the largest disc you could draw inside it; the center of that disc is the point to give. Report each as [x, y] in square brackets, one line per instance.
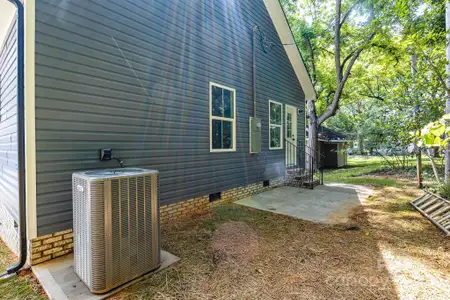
[281, 24]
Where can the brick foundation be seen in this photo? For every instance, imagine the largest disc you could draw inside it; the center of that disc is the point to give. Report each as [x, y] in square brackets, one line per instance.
[51, 246]
[198, 205]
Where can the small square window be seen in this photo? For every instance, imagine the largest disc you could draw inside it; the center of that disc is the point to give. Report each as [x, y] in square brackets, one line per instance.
[222, 118]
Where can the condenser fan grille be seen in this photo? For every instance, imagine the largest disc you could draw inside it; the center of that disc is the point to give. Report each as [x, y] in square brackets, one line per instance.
[116, 224]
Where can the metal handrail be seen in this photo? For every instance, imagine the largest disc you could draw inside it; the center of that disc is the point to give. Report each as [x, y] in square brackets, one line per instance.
[294, 155]
[321, 156]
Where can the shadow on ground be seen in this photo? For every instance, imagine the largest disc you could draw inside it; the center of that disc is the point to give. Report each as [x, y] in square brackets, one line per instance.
[397, 224]
[293, 259]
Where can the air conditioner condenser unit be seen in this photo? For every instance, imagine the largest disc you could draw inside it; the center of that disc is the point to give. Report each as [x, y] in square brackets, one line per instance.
[116, 226]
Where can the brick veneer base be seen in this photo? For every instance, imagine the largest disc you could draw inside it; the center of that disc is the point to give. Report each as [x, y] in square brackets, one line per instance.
[198, 205]
[51, 246]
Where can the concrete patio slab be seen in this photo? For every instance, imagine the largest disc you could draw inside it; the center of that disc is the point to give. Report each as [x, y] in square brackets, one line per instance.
[60, 282]
[330, 203]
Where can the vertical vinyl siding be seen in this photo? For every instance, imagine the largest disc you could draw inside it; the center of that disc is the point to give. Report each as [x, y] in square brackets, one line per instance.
[8, 122]
[154, 114]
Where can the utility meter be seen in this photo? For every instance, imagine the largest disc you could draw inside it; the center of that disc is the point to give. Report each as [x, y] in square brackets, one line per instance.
[255, 135]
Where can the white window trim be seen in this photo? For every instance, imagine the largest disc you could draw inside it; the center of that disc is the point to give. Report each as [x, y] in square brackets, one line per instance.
[211, 118]
[281, 126]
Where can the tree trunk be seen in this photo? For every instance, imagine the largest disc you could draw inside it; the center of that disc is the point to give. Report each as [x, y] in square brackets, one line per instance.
[311, 149]
[419, 154]
[447, 102]
[360, 143]
[359, 136]
[343, 71]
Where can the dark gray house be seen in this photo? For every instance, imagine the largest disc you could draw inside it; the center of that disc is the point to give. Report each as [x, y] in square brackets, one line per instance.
[168, 85]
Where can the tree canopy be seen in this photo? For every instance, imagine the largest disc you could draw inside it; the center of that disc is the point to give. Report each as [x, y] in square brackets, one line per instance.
[384, 98]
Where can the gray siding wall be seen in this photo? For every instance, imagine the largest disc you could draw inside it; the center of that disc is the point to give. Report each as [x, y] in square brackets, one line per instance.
[156, 114]
[8, 122]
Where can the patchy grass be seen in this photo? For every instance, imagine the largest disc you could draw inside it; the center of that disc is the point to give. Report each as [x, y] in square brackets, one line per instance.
[359, 171]
[296, 259]
[370, 170]
[374, 170]
[368, 180]
[6, 257]
[23, 286]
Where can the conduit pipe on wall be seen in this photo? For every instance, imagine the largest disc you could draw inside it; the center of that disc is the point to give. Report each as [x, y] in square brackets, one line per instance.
[255, 32]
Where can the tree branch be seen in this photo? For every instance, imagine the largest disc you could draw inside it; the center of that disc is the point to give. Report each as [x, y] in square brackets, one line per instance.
[356, 55]
[373, 97]
[341, 77]
[332, 108]
[347, 14]
[347, 58]
[313, 65]
[436, 70]
[372, 93]
[327, 51]
[328, 96]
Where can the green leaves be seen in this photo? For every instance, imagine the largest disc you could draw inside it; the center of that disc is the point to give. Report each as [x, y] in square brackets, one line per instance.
[437, 129]
[433, 134]
[392, 101]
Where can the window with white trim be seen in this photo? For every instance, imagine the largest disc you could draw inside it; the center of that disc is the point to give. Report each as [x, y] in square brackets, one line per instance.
[275, 125]
[222, 118]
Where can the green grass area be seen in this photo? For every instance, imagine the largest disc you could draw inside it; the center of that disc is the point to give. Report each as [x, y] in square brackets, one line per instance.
[23, 286]
[358, 171]
[373, 170]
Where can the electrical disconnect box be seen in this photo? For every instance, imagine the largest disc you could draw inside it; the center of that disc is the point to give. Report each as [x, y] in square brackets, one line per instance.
[255, 135]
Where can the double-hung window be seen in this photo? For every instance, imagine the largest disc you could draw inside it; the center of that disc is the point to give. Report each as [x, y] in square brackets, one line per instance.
[222, 118]
[275, 125]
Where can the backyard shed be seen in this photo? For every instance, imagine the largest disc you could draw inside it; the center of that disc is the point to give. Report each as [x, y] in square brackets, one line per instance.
[333, 148]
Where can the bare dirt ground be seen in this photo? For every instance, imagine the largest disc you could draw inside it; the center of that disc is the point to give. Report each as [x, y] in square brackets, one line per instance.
[386, 251]
[234, 243]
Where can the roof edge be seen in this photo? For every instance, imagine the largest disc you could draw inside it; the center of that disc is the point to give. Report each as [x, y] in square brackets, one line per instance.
[283, 28]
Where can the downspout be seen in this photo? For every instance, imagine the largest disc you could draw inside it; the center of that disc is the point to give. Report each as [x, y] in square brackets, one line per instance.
[20, 139]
